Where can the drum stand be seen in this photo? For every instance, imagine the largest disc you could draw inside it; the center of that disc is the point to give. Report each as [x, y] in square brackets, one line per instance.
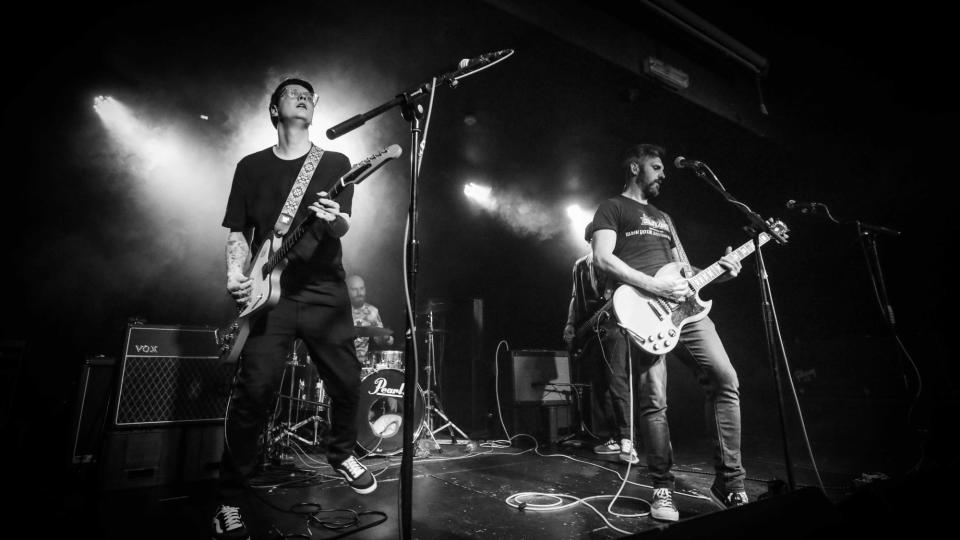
[432, 403]
[287, 430]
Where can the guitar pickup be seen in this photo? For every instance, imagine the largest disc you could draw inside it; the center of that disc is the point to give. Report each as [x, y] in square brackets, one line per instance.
[655, 310]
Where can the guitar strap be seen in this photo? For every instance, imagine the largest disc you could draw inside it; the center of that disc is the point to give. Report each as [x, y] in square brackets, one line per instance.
[299, 189]
[687, 270]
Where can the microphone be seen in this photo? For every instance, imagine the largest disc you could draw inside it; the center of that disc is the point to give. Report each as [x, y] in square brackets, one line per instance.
[684, 163]
[467, 66]
[803, 207]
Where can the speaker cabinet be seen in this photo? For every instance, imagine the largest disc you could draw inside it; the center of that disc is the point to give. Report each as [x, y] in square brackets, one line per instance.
[540, 377]
[91, 408]
[141, 458]
[171, 375]
[137, 458]
[539, 393]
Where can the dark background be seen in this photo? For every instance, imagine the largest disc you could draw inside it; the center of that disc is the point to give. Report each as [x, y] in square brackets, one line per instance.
[856, 101]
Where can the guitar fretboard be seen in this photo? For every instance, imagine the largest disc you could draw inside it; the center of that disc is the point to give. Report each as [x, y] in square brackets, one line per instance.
[355, 175]
[714, 271]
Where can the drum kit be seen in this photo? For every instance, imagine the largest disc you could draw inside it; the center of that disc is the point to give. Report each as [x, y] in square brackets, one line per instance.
[303, 408]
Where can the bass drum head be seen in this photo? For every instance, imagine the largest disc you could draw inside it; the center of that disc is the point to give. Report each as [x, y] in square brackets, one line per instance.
[380, 414]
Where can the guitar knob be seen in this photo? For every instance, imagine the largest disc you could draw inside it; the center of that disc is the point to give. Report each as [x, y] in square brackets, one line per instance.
[650, 338]
[672, 332]
[656, 347]
[666, 344]
[660, 335]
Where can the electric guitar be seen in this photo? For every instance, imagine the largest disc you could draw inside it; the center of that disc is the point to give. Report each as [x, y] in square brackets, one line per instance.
[267, 267]
[654, 323]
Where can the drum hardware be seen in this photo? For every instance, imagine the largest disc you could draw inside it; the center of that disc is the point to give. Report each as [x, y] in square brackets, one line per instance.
[432, 401]
[279, 435]
[371, 331]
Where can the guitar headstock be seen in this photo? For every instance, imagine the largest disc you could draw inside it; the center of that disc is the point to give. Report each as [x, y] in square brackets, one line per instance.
[365, 168]
[778, 230]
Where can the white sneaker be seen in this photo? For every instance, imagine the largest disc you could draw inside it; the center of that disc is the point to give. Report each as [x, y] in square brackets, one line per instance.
[662, 507]
[609, 447]
[627, 452]
[228, 524]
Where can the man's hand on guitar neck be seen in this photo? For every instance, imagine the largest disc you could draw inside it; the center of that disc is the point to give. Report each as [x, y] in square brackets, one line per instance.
[730, 264]
[328, 210]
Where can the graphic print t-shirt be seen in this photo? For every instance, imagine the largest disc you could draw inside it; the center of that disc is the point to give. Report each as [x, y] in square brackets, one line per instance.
[644, 241]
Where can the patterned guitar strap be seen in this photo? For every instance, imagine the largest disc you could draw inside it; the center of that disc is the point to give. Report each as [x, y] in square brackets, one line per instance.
[298, 190]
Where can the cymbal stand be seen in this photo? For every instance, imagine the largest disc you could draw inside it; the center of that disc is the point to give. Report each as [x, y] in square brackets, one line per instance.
[431, 401]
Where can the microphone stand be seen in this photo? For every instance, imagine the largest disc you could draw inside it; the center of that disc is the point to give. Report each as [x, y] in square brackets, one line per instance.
[868, 233]
[412, 111]
[775, 346]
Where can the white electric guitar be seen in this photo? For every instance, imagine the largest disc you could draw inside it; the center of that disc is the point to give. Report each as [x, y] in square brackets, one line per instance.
[267, 267]
[654, 323]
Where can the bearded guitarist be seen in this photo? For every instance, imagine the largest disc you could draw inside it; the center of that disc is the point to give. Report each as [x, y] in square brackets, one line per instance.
[313, 305]
[631, 241]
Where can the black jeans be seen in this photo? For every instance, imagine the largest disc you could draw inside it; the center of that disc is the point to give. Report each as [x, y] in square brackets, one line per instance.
[327, 332]
[701, 350]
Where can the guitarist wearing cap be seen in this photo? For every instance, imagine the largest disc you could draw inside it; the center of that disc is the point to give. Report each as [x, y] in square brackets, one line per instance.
[265, 200]
[634, 244]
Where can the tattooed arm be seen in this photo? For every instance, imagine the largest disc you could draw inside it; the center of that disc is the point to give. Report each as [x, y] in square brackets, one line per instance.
[238, 252]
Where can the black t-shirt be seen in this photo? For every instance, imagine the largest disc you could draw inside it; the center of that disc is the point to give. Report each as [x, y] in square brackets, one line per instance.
[260, 187]
[644, 241]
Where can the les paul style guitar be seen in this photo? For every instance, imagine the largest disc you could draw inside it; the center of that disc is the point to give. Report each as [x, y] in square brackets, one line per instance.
[267, 267]
[654, 323]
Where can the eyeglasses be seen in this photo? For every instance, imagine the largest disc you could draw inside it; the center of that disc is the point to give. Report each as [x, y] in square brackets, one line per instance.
[293, 93]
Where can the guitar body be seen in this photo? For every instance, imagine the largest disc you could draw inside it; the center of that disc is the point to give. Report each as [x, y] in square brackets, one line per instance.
[265, 289]
[654, 323]
[264, 294]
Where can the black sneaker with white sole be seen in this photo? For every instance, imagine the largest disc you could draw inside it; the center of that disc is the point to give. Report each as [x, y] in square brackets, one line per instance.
[728, 499]
[228, 524]
[357, 476]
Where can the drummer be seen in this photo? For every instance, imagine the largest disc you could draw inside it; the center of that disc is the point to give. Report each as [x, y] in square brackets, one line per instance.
[364, 314]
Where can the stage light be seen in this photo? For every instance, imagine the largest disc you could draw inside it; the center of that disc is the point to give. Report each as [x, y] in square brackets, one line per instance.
[479, 194]
[579, 219]
[204, 117]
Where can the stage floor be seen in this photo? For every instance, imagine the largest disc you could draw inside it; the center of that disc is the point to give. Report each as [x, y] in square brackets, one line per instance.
[456, 494]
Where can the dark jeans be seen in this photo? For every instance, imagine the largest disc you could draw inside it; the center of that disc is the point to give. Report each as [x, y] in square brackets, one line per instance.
[327, 332]
[701, 350]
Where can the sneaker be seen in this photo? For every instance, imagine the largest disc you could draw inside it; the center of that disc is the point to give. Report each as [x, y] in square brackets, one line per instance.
[357, 476]
[662, 507]
[728, 499]
[609, 447]
[627, 452]
[228, 524]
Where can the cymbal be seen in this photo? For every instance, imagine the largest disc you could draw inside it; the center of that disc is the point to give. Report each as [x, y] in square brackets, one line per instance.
[435, 307]
[371, 331]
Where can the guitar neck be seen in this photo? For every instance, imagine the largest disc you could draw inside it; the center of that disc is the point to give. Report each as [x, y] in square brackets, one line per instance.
[298, 231]
[714, 271]
[354, 176]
